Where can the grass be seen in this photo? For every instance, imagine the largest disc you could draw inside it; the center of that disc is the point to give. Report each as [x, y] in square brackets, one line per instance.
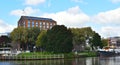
[47, 55]
[39, 55]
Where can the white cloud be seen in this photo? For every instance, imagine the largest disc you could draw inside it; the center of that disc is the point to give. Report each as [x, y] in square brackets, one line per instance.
[4, 27]
[115, 1]
[108, 17]
[73, 17]
[26, 11]
[79, 1]
[110, 31]
[34, 2]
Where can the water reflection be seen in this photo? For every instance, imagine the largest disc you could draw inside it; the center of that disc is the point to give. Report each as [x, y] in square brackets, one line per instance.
[78, 61]
[86, 61]
[110, 60]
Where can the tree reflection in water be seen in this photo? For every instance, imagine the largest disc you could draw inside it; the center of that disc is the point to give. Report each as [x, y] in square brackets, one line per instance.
[77, 61]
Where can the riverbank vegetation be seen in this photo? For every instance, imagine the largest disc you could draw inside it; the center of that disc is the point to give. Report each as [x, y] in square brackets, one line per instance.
[58, 40]
[43, 55]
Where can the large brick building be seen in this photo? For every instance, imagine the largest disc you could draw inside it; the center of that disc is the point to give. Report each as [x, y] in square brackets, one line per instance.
[43, 23]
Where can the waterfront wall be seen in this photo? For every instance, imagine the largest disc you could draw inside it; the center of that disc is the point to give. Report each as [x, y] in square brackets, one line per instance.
[33, 57]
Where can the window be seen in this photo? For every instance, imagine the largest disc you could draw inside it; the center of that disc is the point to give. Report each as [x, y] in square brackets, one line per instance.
[51, 24]
[40, 27]
[40, 23]
[24, 24]
[43, 23]
[47, 26]
[50, 27]
[36, 24]
[32, 23]
[28, 23]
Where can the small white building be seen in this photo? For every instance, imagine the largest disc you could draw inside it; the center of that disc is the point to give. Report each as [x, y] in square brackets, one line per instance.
[7, 51]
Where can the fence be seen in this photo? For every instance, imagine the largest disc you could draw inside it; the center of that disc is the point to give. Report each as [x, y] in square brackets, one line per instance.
[32, 57]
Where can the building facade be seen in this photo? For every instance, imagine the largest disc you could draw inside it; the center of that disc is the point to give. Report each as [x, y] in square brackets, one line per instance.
[114, 41]
[42, 23]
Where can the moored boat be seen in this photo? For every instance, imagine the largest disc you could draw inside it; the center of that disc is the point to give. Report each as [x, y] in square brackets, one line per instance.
[108, 51]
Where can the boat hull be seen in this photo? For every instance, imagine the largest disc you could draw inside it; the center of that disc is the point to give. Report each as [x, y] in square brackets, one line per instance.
[107, 53]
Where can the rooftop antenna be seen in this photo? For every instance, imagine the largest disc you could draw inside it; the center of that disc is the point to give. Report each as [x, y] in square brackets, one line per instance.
[23, 12]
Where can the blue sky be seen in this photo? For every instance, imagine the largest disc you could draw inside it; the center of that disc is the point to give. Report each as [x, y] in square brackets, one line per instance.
[103, 16]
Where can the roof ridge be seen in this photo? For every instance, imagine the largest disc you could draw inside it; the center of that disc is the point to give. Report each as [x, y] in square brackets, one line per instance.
[38, 18]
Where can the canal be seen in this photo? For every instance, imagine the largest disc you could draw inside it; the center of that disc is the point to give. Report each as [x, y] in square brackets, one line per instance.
[77, 61]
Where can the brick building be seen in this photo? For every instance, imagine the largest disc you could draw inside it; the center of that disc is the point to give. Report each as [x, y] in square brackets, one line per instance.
[43, 23]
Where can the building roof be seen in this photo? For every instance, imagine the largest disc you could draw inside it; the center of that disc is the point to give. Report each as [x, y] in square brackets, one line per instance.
[37, 18]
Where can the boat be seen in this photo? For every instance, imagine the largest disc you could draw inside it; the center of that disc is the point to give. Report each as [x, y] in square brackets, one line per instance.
[110, 49]
[107, 51]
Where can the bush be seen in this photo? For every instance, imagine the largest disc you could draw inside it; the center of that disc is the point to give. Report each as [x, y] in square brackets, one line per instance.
[69, 55]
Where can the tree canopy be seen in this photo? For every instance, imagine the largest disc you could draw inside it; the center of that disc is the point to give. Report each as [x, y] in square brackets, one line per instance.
[4, 40]
[25, 36]
[96, 41]
[58, 40]
[41, 38]
[84, 37]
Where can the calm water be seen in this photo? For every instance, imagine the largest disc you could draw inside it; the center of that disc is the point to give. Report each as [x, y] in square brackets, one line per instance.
[79, 61]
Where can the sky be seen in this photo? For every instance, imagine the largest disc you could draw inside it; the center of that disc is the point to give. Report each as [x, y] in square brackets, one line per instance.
[103, 16]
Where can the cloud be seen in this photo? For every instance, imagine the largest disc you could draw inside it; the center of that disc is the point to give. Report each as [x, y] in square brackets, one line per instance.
[108, 17]
[115, 1]
[79, 1]
[26, 11]
[109, 31]
[34, 2]
[4, 27]
[73, 17]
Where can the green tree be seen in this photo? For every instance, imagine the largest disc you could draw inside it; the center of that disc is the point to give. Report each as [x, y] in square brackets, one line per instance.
[32, 37]
[104, 42]
[26, 37]
[4, 40]
[96, 41]
[80, 36]
[58, 40]
[40, 39]
[16, 34]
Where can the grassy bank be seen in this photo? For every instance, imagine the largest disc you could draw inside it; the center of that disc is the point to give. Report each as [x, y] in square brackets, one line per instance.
[47, 55]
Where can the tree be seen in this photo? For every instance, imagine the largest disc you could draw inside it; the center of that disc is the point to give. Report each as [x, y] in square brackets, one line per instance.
[104, 42]
[40, 38]
[32, 37]
[96, 41]
[19, 36]
[4, 40]
[58, 40]
[26, 37]
[80, 36]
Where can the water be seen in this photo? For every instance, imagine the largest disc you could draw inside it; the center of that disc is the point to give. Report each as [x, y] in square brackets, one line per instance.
[78, 61]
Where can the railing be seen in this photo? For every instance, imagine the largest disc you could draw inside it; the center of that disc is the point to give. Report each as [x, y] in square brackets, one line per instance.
[33, 57]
